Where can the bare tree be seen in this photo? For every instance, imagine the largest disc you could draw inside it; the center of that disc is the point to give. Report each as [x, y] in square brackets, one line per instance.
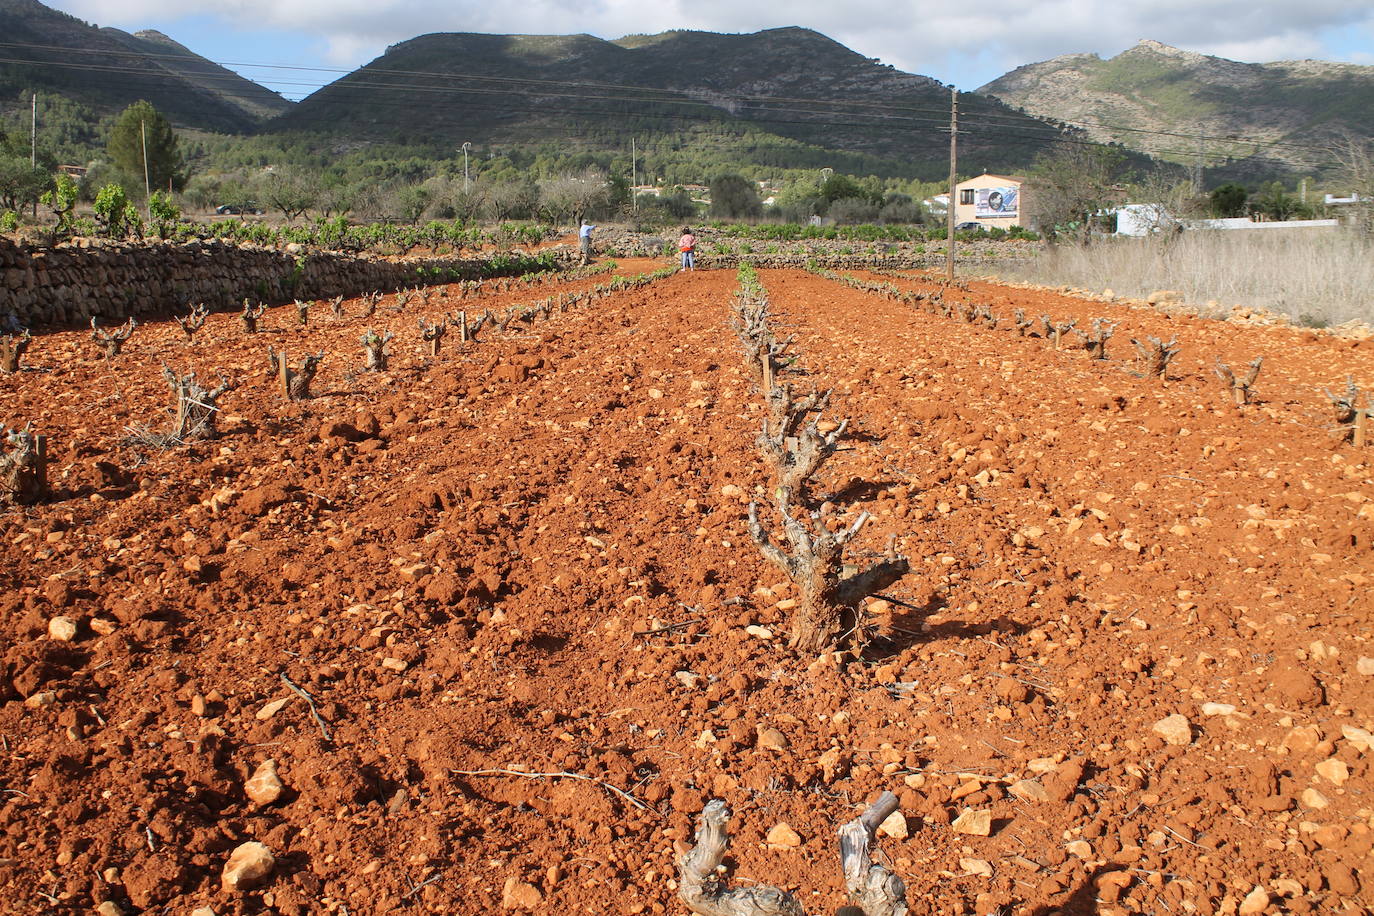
[374, 349]
[23, 466]
[12, 347]
[1356, 156]
[1068, 185]
[193, 414]
[193, 322]
[1239, 384]
[250, 316]
[113, 340]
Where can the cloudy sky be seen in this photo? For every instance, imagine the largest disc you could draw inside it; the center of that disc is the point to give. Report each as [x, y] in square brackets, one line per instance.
[965, 44]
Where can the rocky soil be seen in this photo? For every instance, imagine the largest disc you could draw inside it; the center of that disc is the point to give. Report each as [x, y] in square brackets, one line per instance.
[486, 630]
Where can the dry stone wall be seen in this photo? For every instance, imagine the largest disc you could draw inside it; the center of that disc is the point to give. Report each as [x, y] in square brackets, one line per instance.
[73, 282]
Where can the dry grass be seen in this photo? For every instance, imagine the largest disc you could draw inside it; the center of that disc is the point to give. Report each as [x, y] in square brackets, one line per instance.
[1315, 277]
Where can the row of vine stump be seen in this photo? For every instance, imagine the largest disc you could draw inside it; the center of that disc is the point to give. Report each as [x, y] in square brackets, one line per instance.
[23, 466]
[795, 443]
[1353, 408]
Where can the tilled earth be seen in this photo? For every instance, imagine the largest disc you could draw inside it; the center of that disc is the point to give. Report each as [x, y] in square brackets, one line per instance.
[496, 618]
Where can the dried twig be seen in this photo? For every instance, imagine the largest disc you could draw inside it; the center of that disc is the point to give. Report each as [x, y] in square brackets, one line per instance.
[309, 701]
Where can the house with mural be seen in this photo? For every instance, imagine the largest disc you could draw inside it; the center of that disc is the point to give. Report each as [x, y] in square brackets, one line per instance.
[990, 201]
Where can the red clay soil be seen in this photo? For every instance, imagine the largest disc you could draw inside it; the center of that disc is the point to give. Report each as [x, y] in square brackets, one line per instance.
[530, 556]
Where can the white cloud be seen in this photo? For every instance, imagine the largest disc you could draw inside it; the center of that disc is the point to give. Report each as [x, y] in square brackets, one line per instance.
[948, 41]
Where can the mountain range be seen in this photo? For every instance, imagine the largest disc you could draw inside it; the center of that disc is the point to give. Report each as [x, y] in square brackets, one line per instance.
[1185, 107]
[781, 96]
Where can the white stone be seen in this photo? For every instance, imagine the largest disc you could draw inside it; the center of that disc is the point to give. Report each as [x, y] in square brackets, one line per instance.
[1175, 730]
[894, 826]
[62, 629]
[264, 786]
[248, 865]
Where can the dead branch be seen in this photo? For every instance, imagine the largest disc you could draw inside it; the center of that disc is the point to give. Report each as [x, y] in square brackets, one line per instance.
[872, 888]
[1156, 355]
[815, 565]
[371, 301]
[433, 334]
[250, 316]
[113, 340]
[1352, 417]
[12, 347]
[23, 466]
[706, 894]
[193, 414]
[294, 383]
[193, 322]
[1096, 342]
[794, 448]
[1239, 384]
[468, 330]
[1024, 325]
[374, 350]
[1056, 331]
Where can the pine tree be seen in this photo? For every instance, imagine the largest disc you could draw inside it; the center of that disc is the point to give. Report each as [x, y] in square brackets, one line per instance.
[139, 124]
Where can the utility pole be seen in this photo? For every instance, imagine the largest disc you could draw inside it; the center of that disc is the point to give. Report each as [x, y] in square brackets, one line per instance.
[466, 184]
[953, 179]
[143, 135]
[634, 176]
[33, 135]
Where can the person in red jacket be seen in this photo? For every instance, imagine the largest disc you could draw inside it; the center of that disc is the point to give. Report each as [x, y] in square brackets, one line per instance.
[688, 246]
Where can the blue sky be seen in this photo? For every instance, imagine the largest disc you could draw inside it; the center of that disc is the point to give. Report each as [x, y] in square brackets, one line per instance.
[963, 44]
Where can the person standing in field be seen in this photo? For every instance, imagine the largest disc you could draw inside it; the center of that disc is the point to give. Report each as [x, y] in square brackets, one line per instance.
[688, 246]
[584, 241]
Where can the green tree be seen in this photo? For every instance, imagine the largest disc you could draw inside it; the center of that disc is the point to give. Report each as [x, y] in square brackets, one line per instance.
[21, 184]
[141, 124]
[1229, 200]
[734, 197]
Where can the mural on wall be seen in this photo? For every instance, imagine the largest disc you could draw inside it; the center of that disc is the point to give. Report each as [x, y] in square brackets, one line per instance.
[996, 203]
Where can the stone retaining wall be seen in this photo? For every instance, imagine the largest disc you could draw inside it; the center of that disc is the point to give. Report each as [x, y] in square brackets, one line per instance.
[73, 282]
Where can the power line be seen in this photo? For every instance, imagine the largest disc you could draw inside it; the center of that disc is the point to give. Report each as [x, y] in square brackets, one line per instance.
[645, 94]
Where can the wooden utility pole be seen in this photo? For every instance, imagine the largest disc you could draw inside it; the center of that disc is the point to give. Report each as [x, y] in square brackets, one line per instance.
[33, 135]
[634, 176]
[147, 186]
[953, 179]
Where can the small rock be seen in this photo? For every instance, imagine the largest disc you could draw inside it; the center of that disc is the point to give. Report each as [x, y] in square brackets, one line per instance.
[271, 709]
[248, 865]
[1255, 902]
[1288, 887]
[62, 629]
[771, 739]
[979, 867]
[103, 626]
[203, 911]
[1360, 739]
[1302, 739]
[1217, 709]
[688, 679]
[520, 895]
[894, 826]
[1365, 665]
[1080, 848]
[198, 706]
[264, 787]
[759, 632]
[973, 823]
[1175, 730]
[782, 836]
[1313, 799]
[1029, 789]
[41, 700]
[109, 908]
[1333, 770]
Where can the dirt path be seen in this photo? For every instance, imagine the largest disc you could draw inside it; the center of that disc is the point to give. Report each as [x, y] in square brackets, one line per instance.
[530, 556]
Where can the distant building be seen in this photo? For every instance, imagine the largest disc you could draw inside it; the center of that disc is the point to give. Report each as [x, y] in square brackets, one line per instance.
[73, 171]
[990, 201]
